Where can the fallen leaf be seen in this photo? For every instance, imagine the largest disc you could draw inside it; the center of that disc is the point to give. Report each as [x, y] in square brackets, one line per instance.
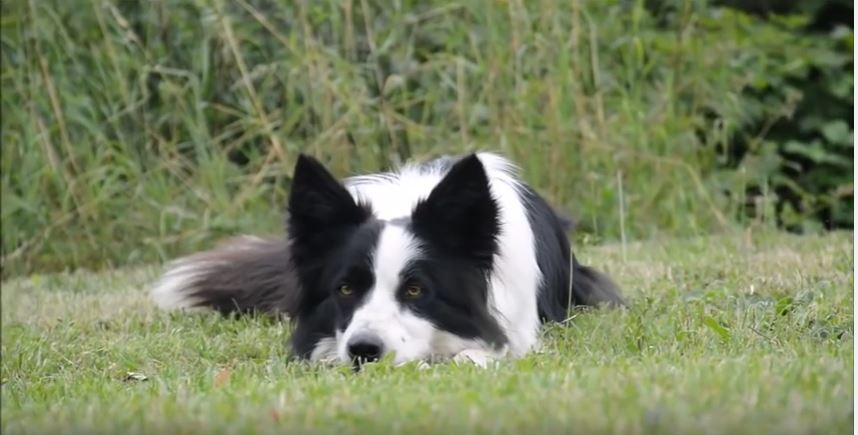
[134, 376]
[222, 377]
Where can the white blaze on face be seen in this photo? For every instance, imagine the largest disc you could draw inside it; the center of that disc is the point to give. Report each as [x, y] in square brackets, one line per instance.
[381, 314]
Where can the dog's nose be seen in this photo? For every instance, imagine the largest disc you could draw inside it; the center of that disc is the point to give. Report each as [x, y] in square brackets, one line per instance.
[365, 347]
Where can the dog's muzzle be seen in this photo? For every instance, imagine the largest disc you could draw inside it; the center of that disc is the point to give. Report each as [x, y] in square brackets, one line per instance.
[365, 347]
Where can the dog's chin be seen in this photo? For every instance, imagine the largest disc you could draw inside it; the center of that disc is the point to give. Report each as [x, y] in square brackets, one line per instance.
[396, 360]
[425, 360]
[476, 356]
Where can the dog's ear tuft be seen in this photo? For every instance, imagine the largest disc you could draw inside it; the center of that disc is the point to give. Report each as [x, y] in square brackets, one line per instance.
[319, 206]
[460, 213]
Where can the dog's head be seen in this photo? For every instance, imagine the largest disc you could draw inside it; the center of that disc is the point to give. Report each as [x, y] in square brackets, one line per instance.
[415, 286]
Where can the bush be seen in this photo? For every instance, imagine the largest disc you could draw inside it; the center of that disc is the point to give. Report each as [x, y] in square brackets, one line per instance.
[138, 131]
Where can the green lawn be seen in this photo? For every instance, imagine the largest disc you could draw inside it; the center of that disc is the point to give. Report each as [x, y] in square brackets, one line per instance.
[751, 333]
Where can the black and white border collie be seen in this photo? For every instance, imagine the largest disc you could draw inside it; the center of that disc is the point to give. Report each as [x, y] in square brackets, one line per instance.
[450, 258]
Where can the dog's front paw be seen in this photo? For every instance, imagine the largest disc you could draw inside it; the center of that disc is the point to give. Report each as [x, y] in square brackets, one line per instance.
[477, 357]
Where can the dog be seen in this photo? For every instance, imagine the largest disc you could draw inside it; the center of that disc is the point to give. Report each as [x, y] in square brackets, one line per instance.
[452, 258]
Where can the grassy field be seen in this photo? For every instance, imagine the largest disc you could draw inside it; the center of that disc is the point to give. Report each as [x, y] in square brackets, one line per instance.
[748, 333]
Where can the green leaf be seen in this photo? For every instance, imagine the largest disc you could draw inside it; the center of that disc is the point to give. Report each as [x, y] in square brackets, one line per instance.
[784, 305]
[837, 132]
[717, 328]
[815, 152]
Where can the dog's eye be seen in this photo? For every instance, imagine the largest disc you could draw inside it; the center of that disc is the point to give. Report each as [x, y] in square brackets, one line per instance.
[345, 290]
[413, 291]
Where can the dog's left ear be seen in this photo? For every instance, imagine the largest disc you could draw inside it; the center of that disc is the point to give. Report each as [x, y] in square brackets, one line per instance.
[320, 208]
[460, 213]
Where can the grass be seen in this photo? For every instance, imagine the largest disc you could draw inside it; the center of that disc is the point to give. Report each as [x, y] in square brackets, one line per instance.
[744, 333]
[137, 131]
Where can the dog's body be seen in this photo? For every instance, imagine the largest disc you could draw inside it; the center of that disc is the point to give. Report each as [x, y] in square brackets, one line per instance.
[455, 256]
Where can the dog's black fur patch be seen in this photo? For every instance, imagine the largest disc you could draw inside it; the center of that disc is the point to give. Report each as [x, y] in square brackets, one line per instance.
[330, 239]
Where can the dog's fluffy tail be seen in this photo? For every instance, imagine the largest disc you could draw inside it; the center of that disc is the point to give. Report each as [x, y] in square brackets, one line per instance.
[242, 275]
[594, 288]
[590, 287]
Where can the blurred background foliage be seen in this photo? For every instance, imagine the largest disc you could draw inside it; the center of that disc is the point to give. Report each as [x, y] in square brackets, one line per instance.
[138, 131]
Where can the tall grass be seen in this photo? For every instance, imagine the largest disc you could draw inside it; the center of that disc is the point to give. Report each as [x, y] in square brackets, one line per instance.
[137, 131]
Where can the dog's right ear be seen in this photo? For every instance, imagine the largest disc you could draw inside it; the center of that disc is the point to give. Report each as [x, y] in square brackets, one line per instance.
[461, 213]
[319, 208]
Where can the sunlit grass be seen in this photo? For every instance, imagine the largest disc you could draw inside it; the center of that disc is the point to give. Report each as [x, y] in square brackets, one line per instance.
[749, 333]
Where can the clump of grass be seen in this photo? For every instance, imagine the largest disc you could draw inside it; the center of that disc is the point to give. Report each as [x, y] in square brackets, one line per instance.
[751, 333]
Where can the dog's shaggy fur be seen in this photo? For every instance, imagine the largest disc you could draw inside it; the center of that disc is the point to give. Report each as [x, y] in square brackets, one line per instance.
[451, 257]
